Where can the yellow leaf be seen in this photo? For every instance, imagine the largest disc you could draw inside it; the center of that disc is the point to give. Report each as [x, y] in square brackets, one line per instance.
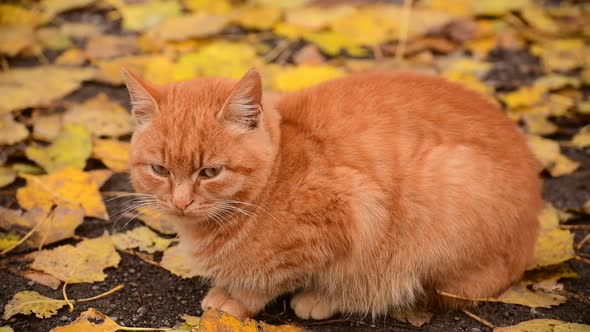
[54, 7]
[415, 318]
[315, 18]
[16, 39]
[6, 329]
[11, 131]
[549, 276]
[53, 39]
[142, 16]
[520, 294]
[58, 225]
[468, 73]
[7, 176]
[101, 116]
[295, 78]
[158, 69]
[538, 124]
[71, 57]
[79, 30]
[209, 6]
[544, 325]
[220, 58]
[581, 139]
[257, 18]
[100, 176]
[584, 107]
[142, 238]
[83, 263]
[549, 217]
[69, 187]
[90, 320]
[332, 43]
[29, 302]
[538, 18]
[481, 47]
[114, 154]
[16, 15]
[215, 320]
[177, 261]
[189, 26]
[109, 70]
[553, 247]
[562, 54]
[549, 154]
[22, 168]
[109, 46]
[8, 240]
[556, 81]
[156, 220]
[525, 96]
[46, 127]
[39, 86]
[497, 7]
[283, 4]
[71, 148]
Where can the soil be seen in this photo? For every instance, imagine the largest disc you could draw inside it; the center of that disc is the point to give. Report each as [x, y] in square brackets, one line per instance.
[153, 297]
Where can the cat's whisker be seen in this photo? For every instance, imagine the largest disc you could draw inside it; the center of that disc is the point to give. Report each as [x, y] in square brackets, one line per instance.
[134, 195]
[253, 205]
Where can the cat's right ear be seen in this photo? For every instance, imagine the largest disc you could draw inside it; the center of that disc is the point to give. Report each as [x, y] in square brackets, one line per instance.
[144, 97]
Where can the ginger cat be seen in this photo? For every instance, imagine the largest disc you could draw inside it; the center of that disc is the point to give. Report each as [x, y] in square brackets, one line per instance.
[364, 194]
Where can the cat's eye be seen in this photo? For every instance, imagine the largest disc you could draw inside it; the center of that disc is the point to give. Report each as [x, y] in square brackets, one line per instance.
[160, 170]
[210, 172]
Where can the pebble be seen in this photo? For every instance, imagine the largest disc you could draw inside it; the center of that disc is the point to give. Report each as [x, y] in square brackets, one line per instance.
[183, 302]
[457, 318]
[142, 310]
[95, 287]
[121, 323]
[31, 283]
[133, 284]
[114, 318]
[64, 318]
[534, 311]
[476, 329]
[131, 270]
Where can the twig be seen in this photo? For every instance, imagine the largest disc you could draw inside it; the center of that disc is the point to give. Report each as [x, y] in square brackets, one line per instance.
[117, 288]
[479, 319]
[574, 226]
[28, 235]
[565, 293]
[582, 259]
[276, 51]
[63, 291]
[403, 33]
[580, 245]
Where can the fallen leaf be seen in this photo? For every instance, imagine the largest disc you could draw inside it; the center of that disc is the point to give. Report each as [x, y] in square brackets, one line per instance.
[549, 217]
[142, 16]
[581, 139]
[295, 78]
[142, 238]
[539, 19]
[54, 7]
[258, 18]
[177, 261]
[11, 132]
[69, 187]
[101, 116]
[13, 15]
[70, 148]
[83, 263]
[109, 46]
[79, 29]
[27, 169]
[6, 329]
[549, 276]
[220, 58]
[7, 176]
[16, 39]
[46, 127]
[156, 220]
[100, 176]
[538, 124]
[309, 55]
[549, 154]
[525, 96]
[497, 7]
[53, 39]
[58, 225]
[189, 26]
[209, 6]
[29, 302]
[92, 320]
[544, 325]
[215, 320]
[40, 278]
[8, 240]
[71, 57]
[114, 154]
[415, 318]
[562, 54]
[520, 294]
[316, 18]
[553, 247]
[39, 86]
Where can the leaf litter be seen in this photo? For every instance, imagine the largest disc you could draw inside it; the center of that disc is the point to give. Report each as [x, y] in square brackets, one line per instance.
[295, 44]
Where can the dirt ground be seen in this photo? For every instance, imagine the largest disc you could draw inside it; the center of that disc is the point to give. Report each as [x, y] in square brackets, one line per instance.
[154, 297]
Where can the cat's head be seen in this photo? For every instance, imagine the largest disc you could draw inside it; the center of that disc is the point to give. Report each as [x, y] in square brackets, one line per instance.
[201, 147]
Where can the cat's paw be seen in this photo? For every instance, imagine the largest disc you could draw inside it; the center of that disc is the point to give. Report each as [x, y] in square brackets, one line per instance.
[309, 304]
[217, 298]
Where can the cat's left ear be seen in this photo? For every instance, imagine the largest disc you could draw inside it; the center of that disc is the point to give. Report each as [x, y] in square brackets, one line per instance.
[243, 107]
[144, 97]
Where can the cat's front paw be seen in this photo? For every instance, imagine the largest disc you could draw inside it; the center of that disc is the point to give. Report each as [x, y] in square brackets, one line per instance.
[217, 298]
[310, 304]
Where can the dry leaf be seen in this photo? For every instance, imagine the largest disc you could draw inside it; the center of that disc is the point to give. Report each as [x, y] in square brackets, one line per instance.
[209, 6]
[114, 154]
[53, 39]
[539, 19]
[526, 96]
[83, 263]
[316, 18]
[101, 116]
[189, 26]
[538, 124]
[215, 320]
[497, 7]
[29, 302]
[16, 39]
[71, 148]
[177, 261]
[54, 7]
[12, 15]
[142, 16]
[259, 18]
[562, 54]
[544, 325]
[72, 57]
[69, 187]
[142, 238]
[7, 176]
[156, 220]
[8, 240]
[40, 278]
[415, 318]
[520, 294]
[295, 78]
[90, 320]
[553, 247]
[6, 329]
[109, 46]
[39, 86]
[100, 176]
[11, 132]
[549, 154]
[581, 139]
[46, 127]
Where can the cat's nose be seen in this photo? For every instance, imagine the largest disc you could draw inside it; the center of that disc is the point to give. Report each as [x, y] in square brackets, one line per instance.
[182, 203]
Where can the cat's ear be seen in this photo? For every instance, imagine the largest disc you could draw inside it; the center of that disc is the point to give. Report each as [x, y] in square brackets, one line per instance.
[243, 107]
[144, 97]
